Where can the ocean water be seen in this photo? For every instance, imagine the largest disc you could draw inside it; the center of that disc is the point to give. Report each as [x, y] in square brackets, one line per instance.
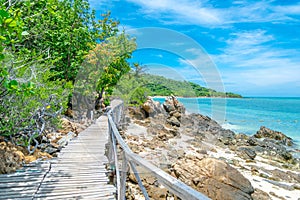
[247, 115]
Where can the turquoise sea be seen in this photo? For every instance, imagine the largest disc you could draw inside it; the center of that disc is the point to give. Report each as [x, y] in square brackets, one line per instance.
[246, 115]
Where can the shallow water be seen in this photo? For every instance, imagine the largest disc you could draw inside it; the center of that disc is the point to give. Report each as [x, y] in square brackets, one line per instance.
[246, 115]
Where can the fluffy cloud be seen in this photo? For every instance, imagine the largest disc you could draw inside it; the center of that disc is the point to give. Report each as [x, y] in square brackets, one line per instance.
[205, 13]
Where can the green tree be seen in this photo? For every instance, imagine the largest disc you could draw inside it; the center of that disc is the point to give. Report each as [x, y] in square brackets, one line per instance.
[62, 31]
[132, 88]
[28, 100]
[106, 64]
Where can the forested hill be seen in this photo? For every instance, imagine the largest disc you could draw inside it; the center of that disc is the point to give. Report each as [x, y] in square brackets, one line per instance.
[161, 86]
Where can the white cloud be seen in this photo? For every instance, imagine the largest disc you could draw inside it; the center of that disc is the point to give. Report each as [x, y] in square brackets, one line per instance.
[251, 59]
[180, 11]
[245, 43]
[203, 13]
[288, 10]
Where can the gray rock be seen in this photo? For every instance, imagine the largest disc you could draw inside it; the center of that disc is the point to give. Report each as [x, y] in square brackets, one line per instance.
[260, 195]
[246, 152]
[173, 121]
[64, 140]
[51, 150]
[264, 132]
[152, 108]
[253, 141]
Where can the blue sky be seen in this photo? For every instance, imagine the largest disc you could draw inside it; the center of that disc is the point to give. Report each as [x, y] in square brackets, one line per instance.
[243, 46]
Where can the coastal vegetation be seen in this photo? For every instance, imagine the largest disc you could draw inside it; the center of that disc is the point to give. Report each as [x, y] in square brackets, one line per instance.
[43, 46]
[51, 49]
[135, 86]
[162, 86]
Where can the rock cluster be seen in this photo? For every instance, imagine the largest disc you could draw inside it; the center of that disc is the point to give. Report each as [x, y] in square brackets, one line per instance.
[188, 147]
[175, 110]
[215, 178]
[271, 148]
[151, 108]
[264, 132]
[13, 157]
[54, 141]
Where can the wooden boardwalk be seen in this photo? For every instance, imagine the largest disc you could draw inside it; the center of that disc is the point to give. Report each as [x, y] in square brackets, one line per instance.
[77, 173]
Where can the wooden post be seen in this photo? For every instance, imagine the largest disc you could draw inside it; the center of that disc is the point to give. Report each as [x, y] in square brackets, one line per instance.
[114, 144]
[136, 174]
[124, 177]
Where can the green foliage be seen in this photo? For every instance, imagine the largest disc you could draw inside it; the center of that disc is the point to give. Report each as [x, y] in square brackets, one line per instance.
[10, 29]
[161, 86]
[43, 44]
[105, 66]
[132, 87]
[29, 103]
[60, 32]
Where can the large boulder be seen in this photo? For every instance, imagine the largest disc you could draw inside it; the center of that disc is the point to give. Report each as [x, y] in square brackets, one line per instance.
[215, 178]
[207, 128]
[264, 132]
[137, 113]
[246, 152]
[172, 104]
[174, 109]
[152, 108]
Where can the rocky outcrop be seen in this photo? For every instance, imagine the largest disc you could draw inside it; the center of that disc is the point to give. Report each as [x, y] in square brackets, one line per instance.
[267, 147]
[188, 147]
[13, 157]
[264, 132]
[137, 113]
[175, 110]
[214, 178]
[260, 195]
[206, 128]
[246, 152]
[152, 108]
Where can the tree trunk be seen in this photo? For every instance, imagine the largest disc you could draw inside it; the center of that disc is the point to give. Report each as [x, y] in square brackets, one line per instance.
[99, 99]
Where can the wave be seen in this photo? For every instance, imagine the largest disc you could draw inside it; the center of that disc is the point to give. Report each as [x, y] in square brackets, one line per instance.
[230, 126]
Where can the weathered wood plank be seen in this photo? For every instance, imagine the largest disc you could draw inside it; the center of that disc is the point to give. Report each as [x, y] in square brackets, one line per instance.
[77, 173]
[74, 193]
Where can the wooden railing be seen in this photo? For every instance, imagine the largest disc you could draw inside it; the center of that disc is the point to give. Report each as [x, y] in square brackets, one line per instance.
[131, 159]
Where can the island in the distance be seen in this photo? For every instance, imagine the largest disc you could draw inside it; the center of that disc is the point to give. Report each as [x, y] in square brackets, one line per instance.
[162, 86]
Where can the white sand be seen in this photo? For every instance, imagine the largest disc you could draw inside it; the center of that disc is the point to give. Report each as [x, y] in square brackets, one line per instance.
[257, 181]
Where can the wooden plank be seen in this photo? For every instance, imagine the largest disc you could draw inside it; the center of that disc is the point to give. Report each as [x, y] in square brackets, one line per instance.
[24, 174]
[20, 184]
[78, 172]
[20, 193]
[20, 179]
[16, 196]
[98, 189]
[73, 193]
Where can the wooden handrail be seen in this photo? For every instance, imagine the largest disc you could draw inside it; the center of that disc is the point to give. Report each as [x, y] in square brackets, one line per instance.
[175, 186]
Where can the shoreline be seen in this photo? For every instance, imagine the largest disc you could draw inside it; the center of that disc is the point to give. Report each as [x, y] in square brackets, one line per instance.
[243, 97]
[186, 149]
[199, 97]
[241, 127]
